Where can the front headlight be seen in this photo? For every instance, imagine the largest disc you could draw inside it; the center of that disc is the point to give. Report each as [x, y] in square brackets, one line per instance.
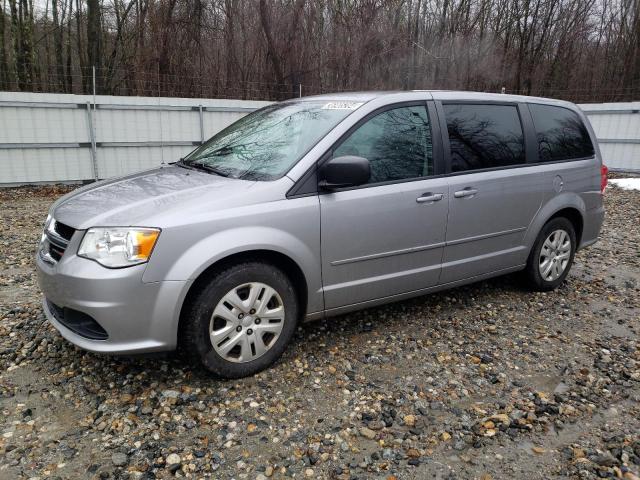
[116, 247]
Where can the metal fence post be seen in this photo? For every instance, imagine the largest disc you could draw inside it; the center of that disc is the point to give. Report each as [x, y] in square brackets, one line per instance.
[92, 139]
[201, 125]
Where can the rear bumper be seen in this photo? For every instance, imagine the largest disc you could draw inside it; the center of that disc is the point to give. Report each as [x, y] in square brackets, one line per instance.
[137, 317]
[593, 221]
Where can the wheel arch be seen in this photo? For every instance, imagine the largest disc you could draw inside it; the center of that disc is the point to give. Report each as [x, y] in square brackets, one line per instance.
[568, 205]
[575, 217]
[272, 257]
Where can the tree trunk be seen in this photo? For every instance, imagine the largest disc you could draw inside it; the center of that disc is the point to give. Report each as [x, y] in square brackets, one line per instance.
[4, 55]
[85, 75]
[69, 79]
[57, 42]
[94, 41]
[272, 52]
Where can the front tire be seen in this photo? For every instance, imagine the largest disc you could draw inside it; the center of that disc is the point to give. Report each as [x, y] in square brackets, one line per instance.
[552, 255]
[242, 320]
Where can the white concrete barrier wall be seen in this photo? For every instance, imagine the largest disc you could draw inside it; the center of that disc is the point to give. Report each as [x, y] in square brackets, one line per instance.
[617, 126]
[48, 137]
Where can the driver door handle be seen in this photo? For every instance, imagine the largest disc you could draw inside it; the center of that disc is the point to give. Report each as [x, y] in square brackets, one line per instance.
[430, 197]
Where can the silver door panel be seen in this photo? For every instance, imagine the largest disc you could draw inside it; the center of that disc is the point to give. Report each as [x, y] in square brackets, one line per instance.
[381, 240]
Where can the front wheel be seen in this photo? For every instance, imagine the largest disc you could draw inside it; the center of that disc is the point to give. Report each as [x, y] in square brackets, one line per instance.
[552, 255]
[242, 320]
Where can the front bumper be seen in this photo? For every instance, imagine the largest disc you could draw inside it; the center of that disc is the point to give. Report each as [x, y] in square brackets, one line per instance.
[138, 317]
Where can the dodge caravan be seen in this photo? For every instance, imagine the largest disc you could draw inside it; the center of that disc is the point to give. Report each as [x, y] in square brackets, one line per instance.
[316, 207]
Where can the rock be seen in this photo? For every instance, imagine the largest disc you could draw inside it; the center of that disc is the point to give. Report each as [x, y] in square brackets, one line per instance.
[170, 394]
[387, 454]
[376, 425]
[577, 453]
[516, 414]
[367, 433]
[501, 418]
[604, 459]
[409, 420]
[173, 459]
[119, 459]
[268, 471]
[413, 453]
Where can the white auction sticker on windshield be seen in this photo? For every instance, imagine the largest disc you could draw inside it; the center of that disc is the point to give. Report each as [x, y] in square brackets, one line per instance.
[342, 105]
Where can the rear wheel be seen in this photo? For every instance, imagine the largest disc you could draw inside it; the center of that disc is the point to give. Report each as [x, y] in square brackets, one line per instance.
[552, 255]
[242, 320]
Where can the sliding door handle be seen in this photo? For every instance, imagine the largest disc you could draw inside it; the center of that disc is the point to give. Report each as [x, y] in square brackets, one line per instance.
[430, 197]
[467, 192]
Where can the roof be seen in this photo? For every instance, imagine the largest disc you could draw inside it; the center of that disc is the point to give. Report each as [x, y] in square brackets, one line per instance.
[367, 96]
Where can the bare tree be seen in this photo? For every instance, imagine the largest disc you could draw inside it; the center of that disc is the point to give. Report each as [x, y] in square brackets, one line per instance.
[583, 50]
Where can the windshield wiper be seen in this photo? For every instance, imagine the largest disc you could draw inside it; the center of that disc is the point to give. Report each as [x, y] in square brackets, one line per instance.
[182, 163]
[200, 166]
[208, 168]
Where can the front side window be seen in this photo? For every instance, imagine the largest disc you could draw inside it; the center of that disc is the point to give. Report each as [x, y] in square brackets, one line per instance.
[265, 144]
[396, 142]
[561, 134]
[484, 136]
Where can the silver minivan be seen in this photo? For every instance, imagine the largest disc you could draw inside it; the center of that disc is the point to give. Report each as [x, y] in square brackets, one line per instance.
[320, 206]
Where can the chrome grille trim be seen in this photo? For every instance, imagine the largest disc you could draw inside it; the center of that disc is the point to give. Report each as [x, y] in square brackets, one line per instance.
[54, 244]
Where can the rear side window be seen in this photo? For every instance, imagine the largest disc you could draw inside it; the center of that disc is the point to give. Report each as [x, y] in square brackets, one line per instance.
[396, 142]
[484, 136]
[561, 133]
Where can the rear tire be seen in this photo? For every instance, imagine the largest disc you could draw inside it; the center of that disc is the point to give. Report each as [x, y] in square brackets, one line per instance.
[552, 255]
[242, 320]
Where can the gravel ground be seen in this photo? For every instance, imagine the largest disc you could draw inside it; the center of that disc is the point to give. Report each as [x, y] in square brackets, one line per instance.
[487, 381]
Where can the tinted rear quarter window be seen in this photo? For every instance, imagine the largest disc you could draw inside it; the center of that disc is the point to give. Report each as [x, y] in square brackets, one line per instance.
[484, 136]
[561, 134]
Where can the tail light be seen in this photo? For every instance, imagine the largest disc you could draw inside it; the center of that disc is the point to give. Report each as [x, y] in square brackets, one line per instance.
[603, 178]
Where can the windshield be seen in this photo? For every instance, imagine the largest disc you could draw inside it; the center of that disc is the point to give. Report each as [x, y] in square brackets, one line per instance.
[265, 144]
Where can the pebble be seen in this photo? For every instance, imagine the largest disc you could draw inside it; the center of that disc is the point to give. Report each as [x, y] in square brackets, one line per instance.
[119, 459]
[367, 433]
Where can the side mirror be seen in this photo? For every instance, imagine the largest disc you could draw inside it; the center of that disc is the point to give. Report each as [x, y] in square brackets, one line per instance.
[345, 171]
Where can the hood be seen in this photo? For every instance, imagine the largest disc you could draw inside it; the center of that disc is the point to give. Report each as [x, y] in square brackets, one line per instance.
[149, 198]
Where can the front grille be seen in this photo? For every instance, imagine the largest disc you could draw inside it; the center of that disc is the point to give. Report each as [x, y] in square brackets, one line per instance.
[58, 236]
[65, 231]
[78, 322]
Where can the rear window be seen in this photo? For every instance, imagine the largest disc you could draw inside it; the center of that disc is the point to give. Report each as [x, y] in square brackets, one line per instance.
[484, 136]
[561, 134]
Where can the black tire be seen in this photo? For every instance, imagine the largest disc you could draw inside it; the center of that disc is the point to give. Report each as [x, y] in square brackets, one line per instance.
[195, 340]
[532, 272]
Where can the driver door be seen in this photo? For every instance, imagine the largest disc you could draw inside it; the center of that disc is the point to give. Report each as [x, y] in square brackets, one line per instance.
[386, 237]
